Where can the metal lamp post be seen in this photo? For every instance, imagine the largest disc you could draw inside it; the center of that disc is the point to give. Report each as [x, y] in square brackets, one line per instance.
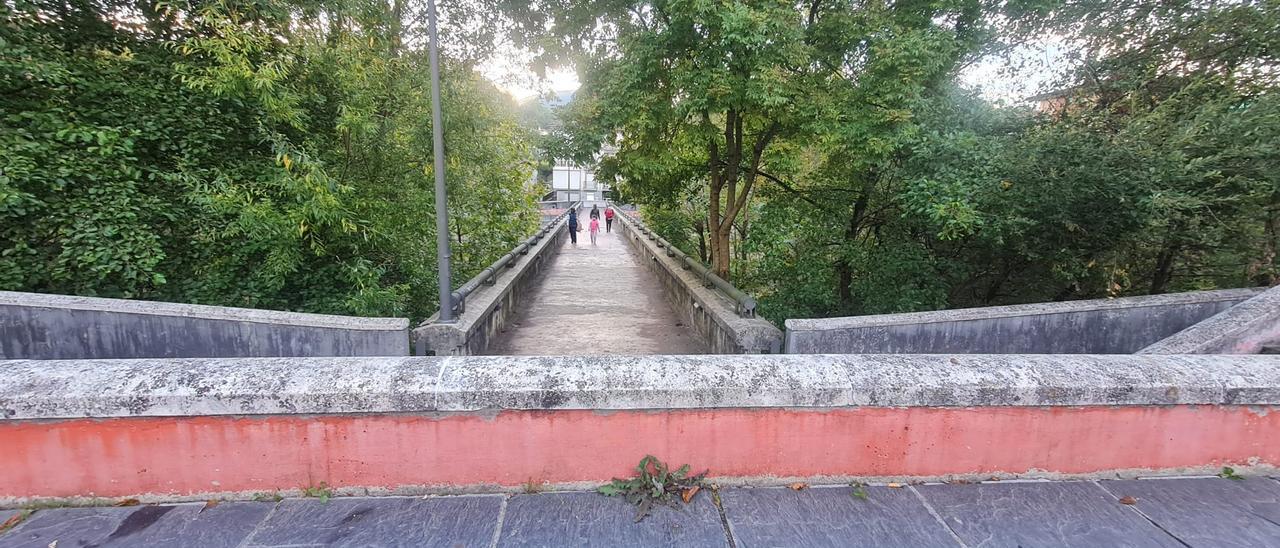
[442, 204]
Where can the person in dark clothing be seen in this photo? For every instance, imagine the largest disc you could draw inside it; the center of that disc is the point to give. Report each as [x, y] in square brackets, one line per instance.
[595, 212]
[573, 225]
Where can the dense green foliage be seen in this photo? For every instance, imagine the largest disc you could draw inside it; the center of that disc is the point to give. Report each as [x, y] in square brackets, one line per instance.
[824, 156]
[271, 154]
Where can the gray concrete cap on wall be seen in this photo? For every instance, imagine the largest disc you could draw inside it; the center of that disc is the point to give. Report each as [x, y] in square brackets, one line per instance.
[272, 386]
[153, 308]
[1241, 329]
[1033, 309]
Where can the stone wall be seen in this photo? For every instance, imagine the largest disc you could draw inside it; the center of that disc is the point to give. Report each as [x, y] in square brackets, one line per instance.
[1105, 326]
[38, 326]
[489, 308]
[711, 314]
[199, 428]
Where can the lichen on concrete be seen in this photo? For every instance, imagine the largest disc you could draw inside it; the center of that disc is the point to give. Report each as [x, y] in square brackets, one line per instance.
[270, 386]
[1241, 329]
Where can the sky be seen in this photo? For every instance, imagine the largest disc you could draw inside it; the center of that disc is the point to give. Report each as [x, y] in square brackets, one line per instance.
[1036, 65]
[509, 70]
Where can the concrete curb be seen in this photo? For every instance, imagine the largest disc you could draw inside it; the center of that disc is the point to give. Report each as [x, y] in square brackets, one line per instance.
[1104, 326]
[1241, 329]
[709, 312]
[293, 386]
[198, 311]
[489, 307]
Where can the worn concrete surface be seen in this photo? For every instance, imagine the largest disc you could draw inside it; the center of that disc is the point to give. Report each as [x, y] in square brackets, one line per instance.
[1208, 512]
[596, 299]
[33, 389]
[712, 314]
[1101, 326]
[39, 326]
[1242, 329]
[489, 309]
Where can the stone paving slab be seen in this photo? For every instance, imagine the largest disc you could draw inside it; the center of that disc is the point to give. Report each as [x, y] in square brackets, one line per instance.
[225, 525]
[832, 516]
[1041, 514]
[463, 521]
[1198, 512]
[77, 526]
[1209, 511]
[590, 519]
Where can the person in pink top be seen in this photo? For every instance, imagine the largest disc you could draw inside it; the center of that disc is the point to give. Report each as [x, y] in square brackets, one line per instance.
[608, 219]
[595, 227]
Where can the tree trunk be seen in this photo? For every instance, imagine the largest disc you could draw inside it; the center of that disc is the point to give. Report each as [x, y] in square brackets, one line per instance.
[844, 270]
[844, 283]
[1164, 269]
[725, 171]
[1264, 270]
[700, 226]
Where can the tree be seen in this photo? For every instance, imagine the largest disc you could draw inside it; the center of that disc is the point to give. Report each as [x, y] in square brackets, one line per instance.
[705, 93]
[268, 154]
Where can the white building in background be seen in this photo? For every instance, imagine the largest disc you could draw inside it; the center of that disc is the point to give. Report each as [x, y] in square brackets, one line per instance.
[572, 182]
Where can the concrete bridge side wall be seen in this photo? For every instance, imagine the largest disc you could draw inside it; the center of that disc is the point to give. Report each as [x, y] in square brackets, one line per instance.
[201, 429]
[489, 308]
[48, 327]
[1105, 326]
[711, 314]
[1241, 329]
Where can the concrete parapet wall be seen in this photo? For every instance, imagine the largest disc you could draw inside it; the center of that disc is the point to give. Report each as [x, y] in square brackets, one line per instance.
[40, 326]
[1241, 329]
[711, 314]
[490, 307]
[1104, 326]
[187, 428]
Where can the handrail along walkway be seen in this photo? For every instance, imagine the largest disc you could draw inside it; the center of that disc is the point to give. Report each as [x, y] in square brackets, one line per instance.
[745, 305]
[489, 275]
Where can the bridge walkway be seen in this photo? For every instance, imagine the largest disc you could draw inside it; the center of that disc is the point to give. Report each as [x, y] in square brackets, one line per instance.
[596, 299]
[1174, 512]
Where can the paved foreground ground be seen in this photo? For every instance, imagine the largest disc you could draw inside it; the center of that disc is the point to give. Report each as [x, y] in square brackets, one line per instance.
[593, 300]
[1167, 512]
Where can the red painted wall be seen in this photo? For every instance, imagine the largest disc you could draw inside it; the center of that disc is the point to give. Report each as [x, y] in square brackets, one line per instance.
[181, 456]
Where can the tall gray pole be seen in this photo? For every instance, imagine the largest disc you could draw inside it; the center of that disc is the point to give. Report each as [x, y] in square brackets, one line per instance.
[442, 203]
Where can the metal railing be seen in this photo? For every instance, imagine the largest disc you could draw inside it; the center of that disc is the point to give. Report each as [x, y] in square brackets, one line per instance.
[745, 304]
[489, 275]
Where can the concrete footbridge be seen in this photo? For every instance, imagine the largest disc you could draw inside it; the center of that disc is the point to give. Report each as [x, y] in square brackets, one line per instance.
[1136, 421]
[628, 292]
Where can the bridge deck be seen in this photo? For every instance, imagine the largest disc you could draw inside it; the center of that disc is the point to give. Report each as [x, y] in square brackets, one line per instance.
[597, 299]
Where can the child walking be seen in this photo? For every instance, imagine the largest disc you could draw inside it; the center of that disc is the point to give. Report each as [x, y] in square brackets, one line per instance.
[595, 227]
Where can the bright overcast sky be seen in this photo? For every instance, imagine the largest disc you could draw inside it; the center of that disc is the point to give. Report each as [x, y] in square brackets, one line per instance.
[509, 69]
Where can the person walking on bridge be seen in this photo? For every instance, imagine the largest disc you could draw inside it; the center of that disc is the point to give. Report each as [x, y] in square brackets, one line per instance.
[608, 219]
[595, 229]
[595, 212]
[573, 225]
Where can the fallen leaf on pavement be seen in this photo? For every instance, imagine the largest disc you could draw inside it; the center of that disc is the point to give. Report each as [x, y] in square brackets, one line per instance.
[127, 502]
[209, 504]
[1128, 500]
[896, 485]
[688, 494]
[797, 486]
